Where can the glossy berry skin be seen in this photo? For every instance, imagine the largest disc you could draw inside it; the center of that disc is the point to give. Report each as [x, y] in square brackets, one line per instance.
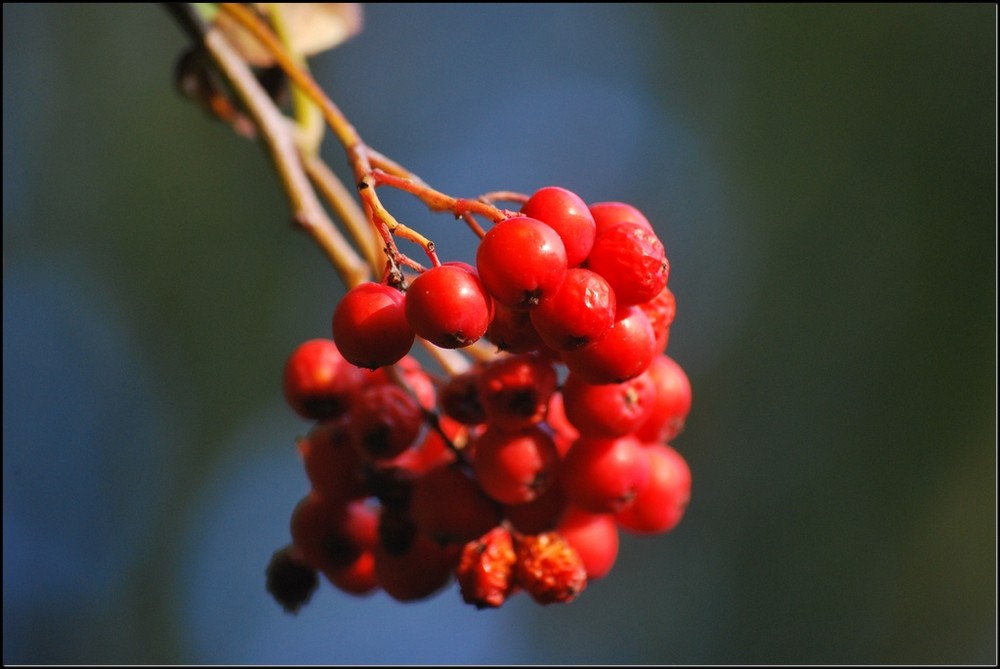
[578, 314]
[511, 330]
[632, 260]
[595, 538]
[331, 535]
[671, 401]
[661, 504]
[661, 311]
[448, 306]
[624, 352]
[609, 214]
[370, 326]
[604, 475]
[333, 467]
[515, 467]
[609, 410]
[521, 261]
[318, 382]
[568, 215]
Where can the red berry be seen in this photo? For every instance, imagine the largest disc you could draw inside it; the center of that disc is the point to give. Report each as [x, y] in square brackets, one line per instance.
[632, 260]
[568, 215]
[671, 401]
[521, 261]
[549, 568]
[511, 330]
[449, 507]
[331, 534]
[621, 354]
[595, 538]
[334, 468]
[318, 382]
[385, 421]
[578, 314]
[514, 390]
[357, 578]
[515, 467]
[419, 571]
[370, 326]
[661, 504]
[459, 398]
[660, 311]
[541, 514]
[610, 214]
[610, 410]
[449, 306]
[604, 475]
[485, 570]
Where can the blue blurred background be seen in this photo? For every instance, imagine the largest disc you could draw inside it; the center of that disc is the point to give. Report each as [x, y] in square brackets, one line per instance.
[823, 178]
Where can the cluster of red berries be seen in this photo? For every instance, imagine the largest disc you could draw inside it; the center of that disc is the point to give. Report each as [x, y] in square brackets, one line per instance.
[517, 474]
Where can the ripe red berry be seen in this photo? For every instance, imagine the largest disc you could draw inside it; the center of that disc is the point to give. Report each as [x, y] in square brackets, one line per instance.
[514, 390]
[521, 261]
[417, 572]
[385, 421]
[609, 214]
[632, 260]
[485, 570]
[370, 326]
[459, 398]
[449, 507]
[578, 314]
[511, 330]
[661, 311]
[334, 468]
[549, 568]
[595, 538]
[661, 504]
[671, 401]
[318, 382]
[332, 534]
[568, 215]
[621, 354]
[449, 306]
[357, 578]
[515, 467]
[604, 475]
[610, 410]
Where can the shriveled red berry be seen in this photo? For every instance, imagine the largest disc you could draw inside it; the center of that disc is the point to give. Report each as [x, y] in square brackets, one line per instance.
[515, 467]
[485, 570]
[549, 568]
[521, 261]
[595, 538]
[370, 326]
[604, 475]
[671, 401]
[318, 382]
[290, 580]
[621, 354]
[609, 410]
[514, 390]
[449, 507]
[385, 421]
[449, 306]
[609, 214]
[568, 215]
[632, 259]
[578, 314]
[661, 504]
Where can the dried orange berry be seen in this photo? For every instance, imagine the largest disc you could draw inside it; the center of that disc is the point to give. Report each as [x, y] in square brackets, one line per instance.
[549, 568]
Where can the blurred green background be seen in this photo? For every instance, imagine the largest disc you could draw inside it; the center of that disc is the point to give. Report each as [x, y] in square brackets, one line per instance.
[824, 180]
